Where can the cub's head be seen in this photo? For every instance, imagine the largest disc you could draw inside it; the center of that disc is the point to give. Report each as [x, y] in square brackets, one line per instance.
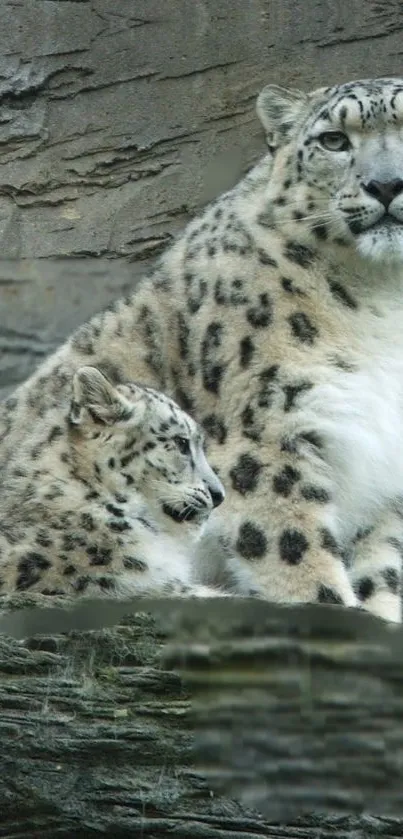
[338, 163]
[132, 439]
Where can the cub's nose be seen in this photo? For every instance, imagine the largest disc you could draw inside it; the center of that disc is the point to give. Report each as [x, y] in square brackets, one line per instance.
[217, 496]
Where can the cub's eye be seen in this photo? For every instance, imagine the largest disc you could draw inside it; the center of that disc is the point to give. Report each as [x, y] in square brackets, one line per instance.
[183, 444]
[334, 141]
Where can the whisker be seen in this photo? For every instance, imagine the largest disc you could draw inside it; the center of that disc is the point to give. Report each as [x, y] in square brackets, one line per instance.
[317, 217]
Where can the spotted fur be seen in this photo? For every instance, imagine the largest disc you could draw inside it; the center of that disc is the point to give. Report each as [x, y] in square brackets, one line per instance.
[275, 319]
[115, 501]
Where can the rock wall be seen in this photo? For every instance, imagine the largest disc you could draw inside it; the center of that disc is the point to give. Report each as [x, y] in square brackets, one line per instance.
[119, 119]
[198, 721]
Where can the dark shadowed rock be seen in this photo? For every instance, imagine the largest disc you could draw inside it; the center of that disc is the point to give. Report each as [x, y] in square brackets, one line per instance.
[213, 719]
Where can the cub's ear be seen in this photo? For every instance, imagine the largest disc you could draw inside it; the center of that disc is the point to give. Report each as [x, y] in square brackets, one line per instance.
[96, 399]
[278, 109]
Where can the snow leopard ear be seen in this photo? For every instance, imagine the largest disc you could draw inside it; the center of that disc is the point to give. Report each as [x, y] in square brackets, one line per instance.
[278, 108]
[96, 399]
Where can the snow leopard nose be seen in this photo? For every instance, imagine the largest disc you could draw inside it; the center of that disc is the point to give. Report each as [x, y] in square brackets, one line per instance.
[384, 191]
[217, 495]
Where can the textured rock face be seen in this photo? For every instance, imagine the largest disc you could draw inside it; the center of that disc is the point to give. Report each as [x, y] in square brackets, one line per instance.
[199, 722]
[119, 120]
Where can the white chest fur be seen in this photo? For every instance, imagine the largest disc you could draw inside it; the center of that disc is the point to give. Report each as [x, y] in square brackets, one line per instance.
[359, 415]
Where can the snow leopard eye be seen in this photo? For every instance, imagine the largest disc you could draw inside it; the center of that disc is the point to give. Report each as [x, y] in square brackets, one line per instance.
[183, 444]
[334, 141]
